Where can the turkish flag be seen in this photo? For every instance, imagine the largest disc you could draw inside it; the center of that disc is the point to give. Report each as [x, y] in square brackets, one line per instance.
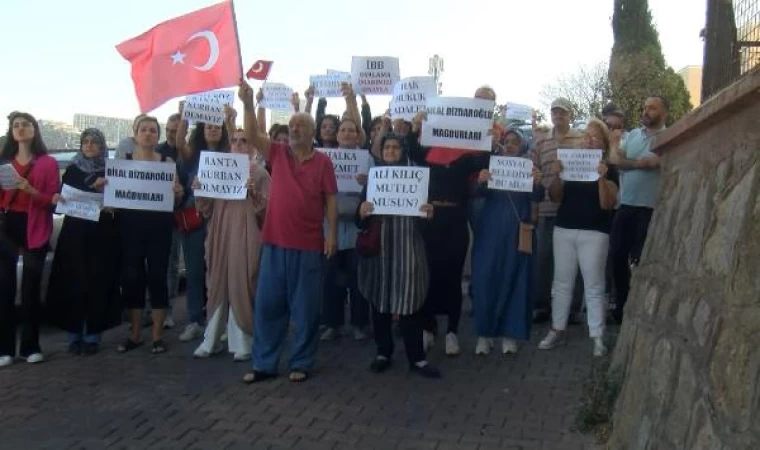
[260, 70]
[194, 53]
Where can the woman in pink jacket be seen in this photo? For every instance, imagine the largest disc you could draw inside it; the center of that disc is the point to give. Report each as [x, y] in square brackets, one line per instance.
[26, 225]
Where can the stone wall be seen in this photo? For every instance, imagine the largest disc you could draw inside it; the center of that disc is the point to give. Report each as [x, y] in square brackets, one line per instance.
[688, 355]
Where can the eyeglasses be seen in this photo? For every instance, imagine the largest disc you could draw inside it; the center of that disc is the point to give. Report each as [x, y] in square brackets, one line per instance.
[614, 127]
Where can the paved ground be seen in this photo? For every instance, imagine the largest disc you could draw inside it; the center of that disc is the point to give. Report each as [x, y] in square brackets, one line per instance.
[140, 401]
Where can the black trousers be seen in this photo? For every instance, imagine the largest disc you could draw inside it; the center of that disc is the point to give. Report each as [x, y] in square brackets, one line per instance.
[629, 232]
[31, 281]
[411, 331]
[446, 241]
[146, 243]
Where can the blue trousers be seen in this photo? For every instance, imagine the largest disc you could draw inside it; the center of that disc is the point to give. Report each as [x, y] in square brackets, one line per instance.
[194, 249]
[289, 288]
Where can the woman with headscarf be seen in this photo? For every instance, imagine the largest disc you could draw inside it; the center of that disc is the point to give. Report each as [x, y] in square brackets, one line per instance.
[233, 246]
[501, 272]
[393, 274]
[83, 294]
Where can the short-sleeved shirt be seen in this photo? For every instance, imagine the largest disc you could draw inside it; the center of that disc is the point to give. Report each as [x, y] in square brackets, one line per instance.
[580, 208]
[297, 199]
[639, 187]
[546, 146]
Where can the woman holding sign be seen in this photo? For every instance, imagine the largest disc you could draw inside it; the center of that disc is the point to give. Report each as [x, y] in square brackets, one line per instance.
[502, 261]
[581, 233]
[146, 238]
[204, 137]
[26, 224]
[83, 291]
[233, 246]
[393, 273]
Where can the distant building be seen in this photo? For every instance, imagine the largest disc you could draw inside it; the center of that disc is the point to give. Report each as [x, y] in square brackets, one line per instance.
[692, 78]
[114, 129]
[59, 135]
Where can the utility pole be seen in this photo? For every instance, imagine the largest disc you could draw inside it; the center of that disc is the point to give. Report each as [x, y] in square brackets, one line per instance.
[436, 70]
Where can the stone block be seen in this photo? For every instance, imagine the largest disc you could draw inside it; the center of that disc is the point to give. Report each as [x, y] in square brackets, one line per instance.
[663, 365]
[683, 400]
[704, 323]
[733, 375]
[701, 432]
[720, 250]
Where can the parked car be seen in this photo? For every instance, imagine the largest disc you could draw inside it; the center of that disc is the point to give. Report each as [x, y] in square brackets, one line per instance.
[64, 159]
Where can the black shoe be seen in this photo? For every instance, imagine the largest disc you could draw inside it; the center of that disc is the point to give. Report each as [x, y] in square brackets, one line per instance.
[75, 348]
[90, 348]
[380, 365]
[426, 371]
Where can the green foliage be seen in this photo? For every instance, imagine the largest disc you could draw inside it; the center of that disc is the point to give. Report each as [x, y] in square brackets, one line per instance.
[637, 66]
[600, 392]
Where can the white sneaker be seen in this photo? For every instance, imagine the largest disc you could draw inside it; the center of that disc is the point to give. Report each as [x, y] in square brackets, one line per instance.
[240, 357]
[508, 346]
[169, 323]
[359, 334]
[553, 338]
[35, 358]
[483, 346]
[329, 334]
[599, 348]
[428, 340]
[192, 332]
[6, 361]
[201, 353]
[452, 344]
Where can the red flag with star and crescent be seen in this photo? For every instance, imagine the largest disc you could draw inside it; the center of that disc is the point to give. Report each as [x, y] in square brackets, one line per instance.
[259, 70]
[194, 53]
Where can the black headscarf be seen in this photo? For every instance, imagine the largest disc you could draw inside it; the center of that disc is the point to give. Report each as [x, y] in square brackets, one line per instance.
[96, 164]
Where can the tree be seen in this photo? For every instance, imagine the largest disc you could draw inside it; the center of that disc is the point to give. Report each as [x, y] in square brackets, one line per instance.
[587, 89]
[637, 67]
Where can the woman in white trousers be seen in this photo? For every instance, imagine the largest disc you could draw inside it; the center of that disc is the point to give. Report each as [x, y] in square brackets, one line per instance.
[581, 240]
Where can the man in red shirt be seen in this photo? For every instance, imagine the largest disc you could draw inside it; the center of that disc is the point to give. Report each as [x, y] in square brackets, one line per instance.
[302, 194]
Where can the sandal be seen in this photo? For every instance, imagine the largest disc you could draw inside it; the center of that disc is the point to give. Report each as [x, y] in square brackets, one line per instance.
[158, 347]
[128, 346]
[298, 376]
[257, 376]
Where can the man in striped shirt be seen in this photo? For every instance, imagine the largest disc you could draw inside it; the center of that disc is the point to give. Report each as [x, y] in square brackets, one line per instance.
[545, 153]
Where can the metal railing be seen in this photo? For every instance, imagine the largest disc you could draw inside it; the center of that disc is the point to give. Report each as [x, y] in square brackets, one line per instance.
[732, 43]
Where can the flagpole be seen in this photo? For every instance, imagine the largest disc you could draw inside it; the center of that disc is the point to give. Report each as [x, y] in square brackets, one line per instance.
[237, 38]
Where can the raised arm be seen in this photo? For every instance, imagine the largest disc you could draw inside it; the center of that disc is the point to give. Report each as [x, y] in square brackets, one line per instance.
[366, 116]
[261, 113]
[309, 94]
[253, 134]
[608, 190]
[353, 111]
[183, 150]
[377, 149]
[557, 188]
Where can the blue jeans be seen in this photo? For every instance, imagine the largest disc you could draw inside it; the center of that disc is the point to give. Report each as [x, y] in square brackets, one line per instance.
[340, 282]
[289, 287]
[194, 249]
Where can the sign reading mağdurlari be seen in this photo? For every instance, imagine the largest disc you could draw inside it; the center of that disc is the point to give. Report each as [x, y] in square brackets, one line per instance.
[455, 122]
[142, 185]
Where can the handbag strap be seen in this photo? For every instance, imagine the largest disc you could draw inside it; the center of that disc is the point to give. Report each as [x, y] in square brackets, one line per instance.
[16, 191]
[514, 208]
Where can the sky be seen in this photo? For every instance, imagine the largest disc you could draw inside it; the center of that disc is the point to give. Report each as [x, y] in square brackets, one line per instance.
[60, 56]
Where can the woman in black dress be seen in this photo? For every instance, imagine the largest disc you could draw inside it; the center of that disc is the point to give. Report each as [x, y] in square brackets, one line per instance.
[83, 297]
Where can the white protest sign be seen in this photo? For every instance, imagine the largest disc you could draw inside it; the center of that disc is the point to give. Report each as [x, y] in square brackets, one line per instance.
[579, 165]
[374, 75]
[79, 204]
[456, 122]
[143, 185]
[207, 107]
[410, 95]
[328, 86]
[398, 190]
[223, 175]
[348, 163]
[516, 111]
[277, 97]
[511, 174]
[8, 177]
